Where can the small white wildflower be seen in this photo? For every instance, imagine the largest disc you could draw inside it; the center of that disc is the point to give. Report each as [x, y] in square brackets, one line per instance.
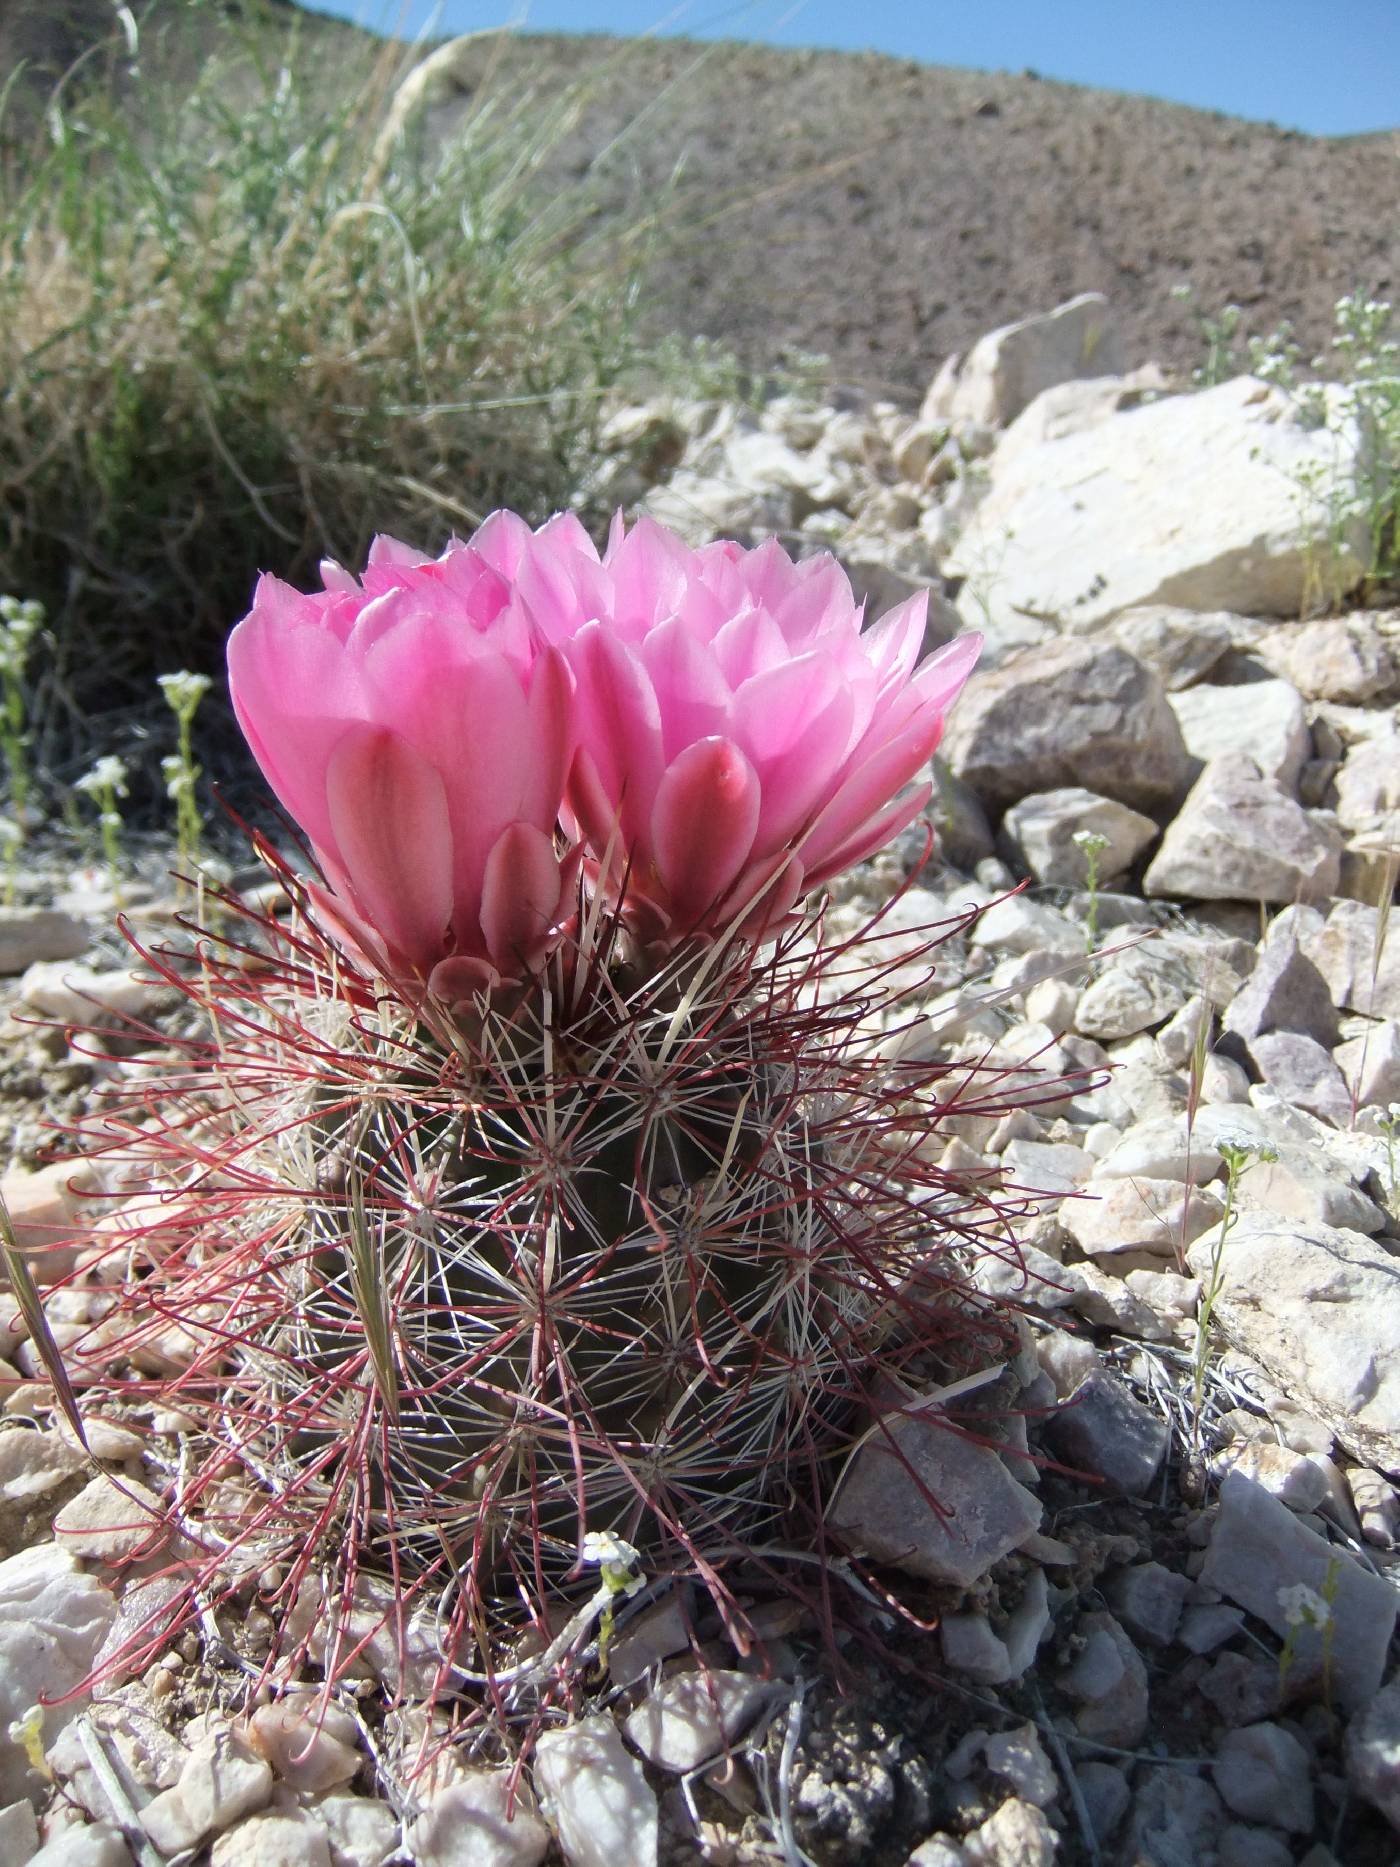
[184, 690]
[618, 1562]
[179, 781]
[11, 834]
[1303, 1606]
[107, 774]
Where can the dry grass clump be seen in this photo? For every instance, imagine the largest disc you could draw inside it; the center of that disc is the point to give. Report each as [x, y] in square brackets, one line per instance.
[244, 325]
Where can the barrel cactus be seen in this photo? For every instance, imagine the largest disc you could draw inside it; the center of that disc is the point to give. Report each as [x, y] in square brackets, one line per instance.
[544, 1185]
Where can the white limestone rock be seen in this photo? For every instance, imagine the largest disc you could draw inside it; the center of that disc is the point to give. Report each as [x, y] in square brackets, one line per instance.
[1265, 718]
[1240, 837]
[110, 1518]
[881, 1503]
[1009, 367]
[1285, 992]
[53, 1620]
[1319, 1309]
[1016, 1832]
[1338, 658]
[80, 1846]
[476, 1821]
[1263, 1773]
[51, 1215]
[1069, 714]
[691, 1717]
[1260, 1555]
[221, 1782]
[277, 1838]
[35, 936]
[362, 1831]
[1373, 1753]
[596, 1795]
[1306, 1186]
[1370, 1064]
[32, 1463]
[1360, 965]
[310, 1745]
[1039, 835]
[1137, 1215]
[19, 1834]
[1181, 646]
[1109, 1681]
[1192, 501]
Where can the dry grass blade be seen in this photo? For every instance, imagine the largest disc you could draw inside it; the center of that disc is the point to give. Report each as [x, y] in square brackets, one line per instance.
[32, 1309]
[369, 1288]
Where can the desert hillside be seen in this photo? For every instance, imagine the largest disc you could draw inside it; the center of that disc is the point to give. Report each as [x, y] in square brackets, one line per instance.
[884, 213]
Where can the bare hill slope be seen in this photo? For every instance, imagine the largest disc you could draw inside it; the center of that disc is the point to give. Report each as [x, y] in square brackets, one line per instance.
[884, 213]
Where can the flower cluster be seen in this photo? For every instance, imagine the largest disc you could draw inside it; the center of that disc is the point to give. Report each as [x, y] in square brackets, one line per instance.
[709, 733]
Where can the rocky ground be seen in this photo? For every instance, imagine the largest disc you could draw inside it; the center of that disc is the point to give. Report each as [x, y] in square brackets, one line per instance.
[1161, 1595]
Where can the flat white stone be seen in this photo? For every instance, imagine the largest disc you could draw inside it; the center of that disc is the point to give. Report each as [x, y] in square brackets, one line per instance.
[1319, 1309]
[597, 1795]
[691, 1717]
[475, 1821]
[278, 1838]
[1191, 501]
[53, 1620]
[220, 1783]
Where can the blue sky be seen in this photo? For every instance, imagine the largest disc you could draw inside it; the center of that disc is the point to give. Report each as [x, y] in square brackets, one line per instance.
[1331, 67]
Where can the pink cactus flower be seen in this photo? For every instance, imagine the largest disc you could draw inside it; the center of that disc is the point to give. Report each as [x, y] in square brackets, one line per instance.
[419, 728]
[741, 738]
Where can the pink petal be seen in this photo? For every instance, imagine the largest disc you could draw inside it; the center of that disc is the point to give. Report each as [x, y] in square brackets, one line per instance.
[772, 710]
[549, 710]
[335, 577]
[692, 694]
[766, 895]
[873, 834]
[502, 539]
[868, 786]
[649, 568]
[459, 980]
[591, 818]
[520, 897]
[796, 786]
[566, 531]
[703, 824]
[619, 721]
[769, 575]
[943, 674]
[353, 935]
[293, 691]
[750, 643]
[388, 813]
[893, 643]
[393, 551]
[820, 606]
[445, 692]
